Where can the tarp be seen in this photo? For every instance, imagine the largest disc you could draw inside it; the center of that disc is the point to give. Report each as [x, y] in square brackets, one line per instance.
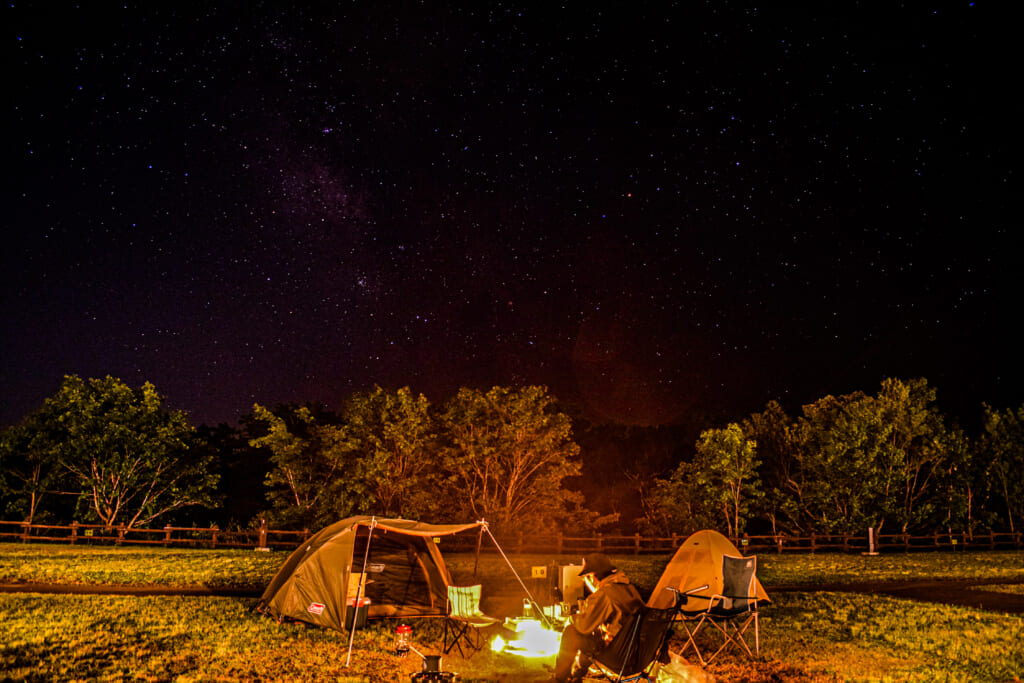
[697, 562]
[405, 573]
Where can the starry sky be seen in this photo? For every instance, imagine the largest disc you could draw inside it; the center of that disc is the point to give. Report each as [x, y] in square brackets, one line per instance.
[653, 208]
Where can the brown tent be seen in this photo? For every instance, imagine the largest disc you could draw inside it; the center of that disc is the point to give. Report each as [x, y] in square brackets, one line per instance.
[697, 562]
[405, 574]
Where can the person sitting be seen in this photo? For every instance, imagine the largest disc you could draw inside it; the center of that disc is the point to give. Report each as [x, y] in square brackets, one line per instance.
[612, 602]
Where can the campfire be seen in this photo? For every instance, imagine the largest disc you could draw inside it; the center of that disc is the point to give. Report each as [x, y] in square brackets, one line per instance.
[530, 639]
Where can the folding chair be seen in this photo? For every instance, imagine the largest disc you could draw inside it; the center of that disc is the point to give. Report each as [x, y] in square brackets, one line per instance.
[631, 654]
[730, 614]
[464, 620]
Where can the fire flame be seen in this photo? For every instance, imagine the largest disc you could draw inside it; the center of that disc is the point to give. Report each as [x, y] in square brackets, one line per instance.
[531, 640]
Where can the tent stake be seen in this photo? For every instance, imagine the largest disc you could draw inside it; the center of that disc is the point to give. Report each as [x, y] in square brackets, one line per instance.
[359, 590]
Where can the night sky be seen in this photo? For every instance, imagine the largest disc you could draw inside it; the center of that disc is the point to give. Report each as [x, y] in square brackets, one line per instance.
[652, 208]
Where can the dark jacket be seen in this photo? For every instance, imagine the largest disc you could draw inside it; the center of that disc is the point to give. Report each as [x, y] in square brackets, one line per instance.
[614, 601]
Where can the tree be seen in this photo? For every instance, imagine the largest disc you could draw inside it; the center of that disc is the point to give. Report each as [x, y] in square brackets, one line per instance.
[958, 484]
[1002, 447]
[133, 460]
[392, 437]
[508, 452]
[914, 450]
[310, 482]
[773, 430]
[29, 469]
[841, 481]
[719, 485]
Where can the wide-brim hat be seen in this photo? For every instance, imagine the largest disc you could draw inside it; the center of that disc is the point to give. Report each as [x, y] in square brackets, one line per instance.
[597, 564]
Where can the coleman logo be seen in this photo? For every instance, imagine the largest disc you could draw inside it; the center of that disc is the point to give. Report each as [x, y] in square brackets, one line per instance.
[315, 608]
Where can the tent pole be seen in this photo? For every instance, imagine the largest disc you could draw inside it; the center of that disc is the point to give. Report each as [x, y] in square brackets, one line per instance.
[543, 616]
[359, 590]
[479, 542]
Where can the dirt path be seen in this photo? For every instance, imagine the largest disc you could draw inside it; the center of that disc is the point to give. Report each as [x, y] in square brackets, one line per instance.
[943, 591]
[125, 589]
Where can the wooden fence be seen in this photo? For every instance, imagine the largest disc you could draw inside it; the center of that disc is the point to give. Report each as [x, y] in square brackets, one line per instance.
[260, 538]
[264, 538]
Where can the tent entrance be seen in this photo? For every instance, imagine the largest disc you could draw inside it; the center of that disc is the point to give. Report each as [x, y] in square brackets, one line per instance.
[399, 570]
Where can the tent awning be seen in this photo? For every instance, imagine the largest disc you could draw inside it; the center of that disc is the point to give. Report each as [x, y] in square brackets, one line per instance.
[414, 528]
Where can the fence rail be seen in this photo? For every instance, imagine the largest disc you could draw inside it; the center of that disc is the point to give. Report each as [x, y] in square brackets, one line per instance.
[264, 538]
[260, 538]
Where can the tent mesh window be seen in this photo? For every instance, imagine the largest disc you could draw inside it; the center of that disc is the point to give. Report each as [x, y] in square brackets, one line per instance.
[394, 571]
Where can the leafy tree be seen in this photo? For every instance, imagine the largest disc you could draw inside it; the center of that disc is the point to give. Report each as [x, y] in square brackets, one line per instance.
[310, 483]
[774, 432]
[1001, 448]
[677, 504]
[719, 485]
[29, 469]
[133, 460]
[914, 450]
[958, 484]
[843, 483]
[392, 437]
[858, 461]
[508, 453]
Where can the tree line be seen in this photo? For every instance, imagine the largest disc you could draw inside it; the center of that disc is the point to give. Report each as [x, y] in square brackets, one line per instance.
[101, 451]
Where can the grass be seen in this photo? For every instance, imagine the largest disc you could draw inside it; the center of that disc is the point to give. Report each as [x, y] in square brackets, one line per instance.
[816, 570]
[138, 565]
[875, 638]
[121, 638]
[806, 636]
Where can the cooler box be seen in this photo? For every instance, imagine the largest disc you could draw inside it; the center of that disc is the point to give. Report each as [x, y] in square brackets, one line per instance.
[357, 612]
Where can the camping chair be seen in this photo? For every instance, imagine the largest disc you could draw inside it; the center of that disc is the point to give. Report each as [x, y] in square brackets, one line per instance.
[464, 620]
[730, 614]
[634, 649]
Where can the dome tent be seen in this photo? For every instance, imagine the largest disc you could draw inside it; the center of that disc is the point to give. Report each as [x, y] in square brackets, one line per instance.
[405, 574]
[697, 562]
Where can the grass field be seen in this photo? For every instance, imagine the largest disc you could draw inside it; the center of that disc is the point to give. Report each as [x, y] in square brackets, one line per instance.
[806, 635]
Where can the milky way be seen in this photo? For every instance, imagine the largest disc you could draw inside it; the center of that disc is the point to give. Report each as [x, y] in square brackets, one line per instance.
[652, 209]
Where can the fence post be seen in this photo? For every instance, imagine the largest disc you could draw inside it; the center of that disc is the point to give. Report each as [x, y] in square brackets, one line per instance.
[813, 542]
[25, 530]
[636, 544]
[213, 540]
[263, 535]
[167, 535]
[600, 542]
[559, 542]
[675, 541]
[778, 543]
[120, 533]
[74, 531]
